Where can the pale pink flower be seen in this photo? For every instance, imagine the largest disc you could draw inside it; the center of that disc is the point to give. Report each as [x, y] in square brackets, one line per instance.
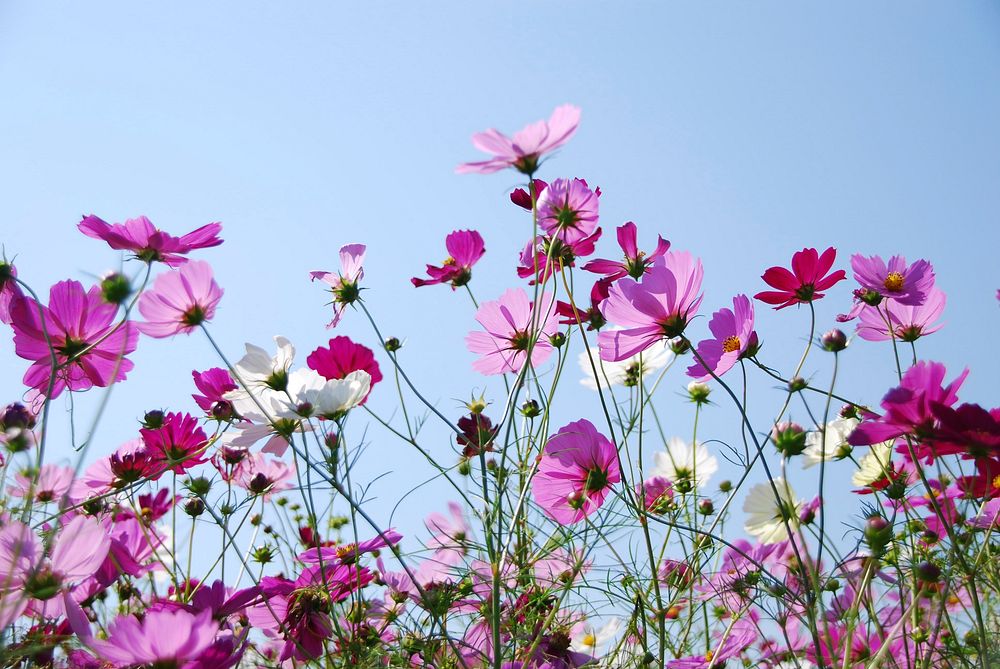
[524, 150]
[909, 322]
[180, 300]
[344, 285]
[508, 337]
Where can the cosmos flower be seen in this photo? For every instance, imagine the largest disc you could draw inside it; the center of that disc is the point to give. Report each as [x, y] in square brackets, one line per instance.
[805, 282]
[178, 444]
[684, 465]
[340, 357]
[734, 338]
[623, 372]
[635, 264]
[768, 518]
[179, 301]
[344, 285]
[909, 322]
[567, 210]
[465, 248]
[528, 145]
[833, 446]
[213, 384]
[148, 242]
[163, 638]
[906, 284]
[504, 345]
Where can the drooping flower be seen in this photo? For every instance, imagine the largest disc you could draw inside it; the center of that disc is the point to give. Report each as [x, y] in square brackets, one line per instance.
[805, 282]
[504, 345]
[567, 210]
[522, 197]
[578, 466]
[86, 349]
[163, 638]
[906, 284]
[528, 145]
[684, 465]
[9, 290]
[180, 300]
[465, 248]
[769, 517]
[909, 322]
[344, 285]
[659, 307]
[213, 384]
[178, 444]
[477, 434]
[625, 372]
[574, 314]
[149, 243]
[833, 446]
[735, 338]
[340, 357]
[635, 264]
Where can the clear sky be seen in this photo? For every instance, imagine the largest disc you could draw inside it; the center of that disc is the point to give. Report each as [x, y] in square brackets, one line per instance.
[741, 132]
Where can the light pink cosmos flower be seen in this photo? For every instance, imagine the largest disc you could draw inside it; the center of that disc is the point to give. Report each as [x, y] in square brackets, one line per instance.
[658, 307]
[909, 322]
[735, 338]
[148, 242]
[88, 352]
[575, 474]
[567, 210]
[465, 248]
[179, 301]
[635, 264]
[448, 534]
[53, 482]
[524, 150]
[344, 285]
[738, 638]
[907, 284]
[163, 638]
[263, 476]
[507, 321]
[989, 516]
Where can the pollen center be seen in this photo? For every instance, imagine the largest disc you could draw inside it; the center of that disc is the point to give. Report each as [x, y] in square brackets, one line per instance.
[893, 281]
[731, 344]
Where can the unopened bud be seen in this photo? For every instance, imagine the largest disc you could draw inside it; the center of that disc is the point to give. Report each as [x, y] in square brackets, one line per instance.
[834, 341]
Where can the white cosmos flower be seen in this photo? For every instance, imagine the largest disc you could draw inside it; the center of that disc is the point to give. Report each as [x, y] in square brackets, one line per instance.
[624, 372]
[837, 431]
[265, 376]
[334, 397]
[874, 465]
[588, 639]
[681, 462]
[765, 519]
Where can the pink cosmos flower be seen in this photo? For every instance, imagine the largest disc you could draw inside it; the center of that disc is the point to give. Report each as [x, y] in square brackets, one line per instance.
[522, 198]
[507, 321]
[738, 638]
[263, 476]
[178, 444]
[179, 301]
[735, 338]
[87, 350]
[567, 210]
[147, 242]
[591, 315]
[575, 474]
[524, 150]
[548, 255]
[164, 638]
[340, 357]
[53, 482]
[635, 264]
[805, 282]
[988, 517]
[909, 322]
[465, 248]
[655, 494]
[213, 384]
[448, 534]
[560, 567]
[906, 284]
[9, 290]
[345, 284]
[658, 307]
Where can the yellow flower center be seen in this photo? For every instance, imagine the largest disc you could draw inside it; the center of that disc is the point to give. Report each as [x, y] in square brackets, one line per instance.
[447, 262]
[709, 655]
[893, 281]
[589, 640]
[996, 481]
[731, 344]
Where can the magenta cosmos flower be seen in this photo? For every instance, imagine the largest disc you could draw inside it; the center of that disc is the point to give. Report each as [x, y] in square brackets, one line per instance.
[805, 282]
[465, 248]
[575, 474]
[635, 264]
[164, 638]
[548, 255]
[345, 284]
[738, 638]
[9, 290]
[213, 384]
[179, 301]
[148, 242]
[528, 145]
[340, 357]
[658, 307]
[567, 210]
[86, 349]
[178, 443]
[507, 321]
[909, 322]
[906, 284]
[734, 338]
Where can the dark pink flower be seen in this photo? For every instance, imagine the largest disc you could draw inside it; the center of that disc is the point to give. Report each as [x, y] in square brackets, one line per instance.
[805, 282]
[635, 263]
[179, 301]
[567, 210]
[504, 346]
[906, 284]
[149, 243]
[734, 338]
[522, 198]
[968, 429]
[213, 384]
[9, 290]
[909, 322]
[659, 307]
[548, 255]
[591, 315]
[528, 145]
[178, 444]
[340, 357]
[655, 494]
[344, 285]
[88, 350]
[465, 248]
[578, 466]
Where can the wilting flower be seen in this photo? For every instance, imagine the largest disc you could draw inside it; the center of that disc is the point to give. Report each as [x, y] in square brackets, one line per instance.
[805, 282]
[735, 338]
[567, 210]
[635, 264]
[147, 242]
[213, 384]
[465, 248]
[833, 446]
[508, 337]
[86, 349]
[477, 434]
[522, 197]
[625, 372]
[906, 284]
[340, 357]
[576, 471]
[179, 301]
[657, 308]
[344, 285]
[524, 150]
[769, 517]
[909, 322]
[684, 465]
[178, 444]
[164, 638]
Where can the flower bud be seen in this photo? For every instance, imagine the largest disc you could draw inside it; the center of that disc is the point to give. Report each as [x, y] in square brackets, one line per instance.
[530, 409]
[849, 411]
[558, 339]
[878, 532]
[789, 438]
[928, 571]
[698, 392]
[263, 554]
[115, 288]
[259, 484]
[393, 344]
[834, 341]
[679, 345]
[153, 420]
[198, 486]
[194, 507]
[725, 486]
[705, 507]
[464, 467]
[870, 297]
[797, 384]
[16, 415]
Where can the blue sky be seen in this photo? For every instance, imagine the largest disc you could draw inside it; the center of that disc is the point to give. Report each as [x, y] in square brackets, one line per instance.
[740, 132]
